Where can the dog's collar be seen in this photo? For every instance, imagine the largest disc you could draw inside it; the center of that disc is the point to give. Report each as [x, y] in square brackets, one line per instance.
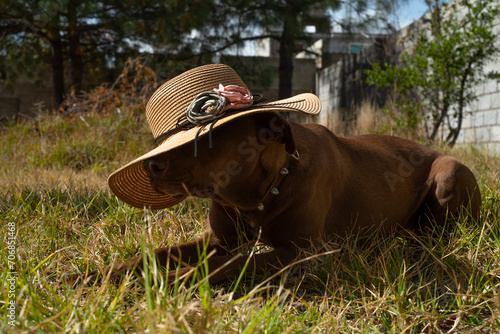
[273, 189]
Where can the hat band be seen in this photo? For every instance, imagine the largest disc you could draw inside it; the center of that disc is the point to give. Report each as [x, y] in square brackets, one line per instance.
[207, 107]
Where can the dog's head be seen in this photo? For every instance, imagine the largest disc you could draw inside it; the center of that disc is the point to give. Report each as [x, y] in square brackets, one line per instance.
[244, 152]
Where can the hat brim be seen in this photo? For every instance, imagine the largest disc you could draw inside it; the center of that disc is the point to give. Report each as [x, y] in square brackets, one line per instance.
[131, 184]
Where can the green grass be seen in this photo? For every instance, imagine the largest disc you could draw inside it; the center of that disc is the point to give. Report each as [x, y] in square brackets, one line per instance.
[53, 187]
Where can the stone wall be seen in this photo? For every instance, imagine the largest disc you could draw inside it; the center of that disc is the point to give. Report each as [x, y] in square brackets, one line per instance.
[25, 100]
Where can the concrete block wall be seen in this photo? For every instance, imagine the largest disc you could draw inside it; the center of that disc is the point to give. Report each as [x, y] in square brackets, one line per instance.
[481, 124]
[341, 87]
[328, 90]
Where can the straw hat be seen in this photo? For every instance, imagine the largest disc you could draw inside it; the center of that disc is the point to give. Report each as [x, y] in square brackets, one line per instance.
[177, 114]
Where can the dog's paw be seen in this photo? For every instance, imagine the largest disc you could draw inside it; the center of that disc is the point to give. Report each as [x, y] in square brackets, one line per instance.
[181, 276]
[84, 280]
[112, 275]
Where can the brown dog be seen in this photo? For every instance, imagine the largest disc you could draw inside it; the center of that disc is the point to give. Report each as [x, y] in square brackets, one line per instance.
[294, 184]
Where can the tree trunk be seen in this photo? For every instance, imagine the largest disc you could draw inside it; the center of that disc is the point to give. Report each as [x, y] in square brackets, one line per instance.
[461, 103]
[75, 48]
[437, 123]
[287, 46]
[76, 64]
[57, 65]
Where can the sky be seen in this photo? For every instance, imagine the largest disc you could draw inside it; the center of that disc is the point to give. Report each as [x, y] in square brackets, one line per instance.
[412, 11]
[406, 14]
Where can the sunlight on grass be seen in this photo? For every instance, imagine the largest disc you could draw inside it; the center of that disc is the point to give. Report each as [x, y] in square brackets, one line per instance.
[53, 188]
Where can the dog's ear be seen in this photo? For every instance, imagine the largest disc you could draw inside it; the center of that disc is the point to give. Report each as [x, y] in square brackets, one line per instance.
[278, 129]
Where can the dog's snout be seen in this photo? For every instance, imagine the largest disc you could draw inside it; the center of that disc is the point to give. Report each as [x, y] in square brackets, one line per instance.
[154, 167]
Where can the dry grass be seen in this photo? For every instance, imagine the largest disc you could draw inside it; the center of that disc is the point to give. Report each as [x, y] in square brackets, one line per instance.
[53, 187]
[365, 119]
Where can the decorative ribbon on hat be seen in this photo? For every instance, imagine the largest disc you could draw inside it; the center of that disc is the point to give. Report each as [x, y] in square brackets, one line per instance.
[237, 97]
[206, 107]
[209, 106]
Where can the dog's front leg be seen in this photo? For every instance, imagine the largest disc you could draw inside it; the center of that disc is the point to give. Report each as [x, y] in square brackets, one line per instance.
[184, 255]
[222, 268]
[221, 235]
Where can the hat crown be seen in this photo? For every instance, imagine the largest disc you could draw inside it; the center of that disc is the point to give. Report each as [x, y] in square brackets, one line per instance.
[172, 99]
